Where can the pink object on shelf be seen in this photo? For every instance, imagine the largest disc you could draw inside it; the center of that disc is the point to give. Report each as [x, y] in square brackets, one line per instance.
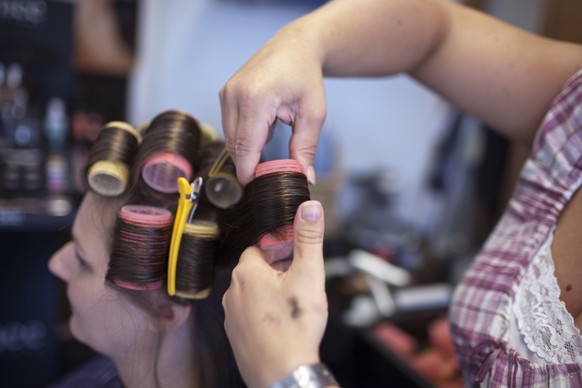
[439, 334]
[396, 339]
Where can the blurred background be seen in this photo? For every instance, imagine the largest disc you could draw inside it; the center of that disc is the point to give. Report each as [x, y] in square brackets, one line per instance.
[410, 185]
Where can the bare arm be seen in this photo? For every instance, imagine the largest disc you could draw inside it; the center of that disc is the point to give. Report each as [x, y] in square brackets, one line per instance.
[503, 75]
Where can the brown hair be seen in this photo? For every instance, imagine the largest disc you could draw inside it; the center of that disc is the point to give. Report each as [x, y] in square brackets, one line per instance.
[111, 158]
[139, 253]
[174, 133]
[268, 204]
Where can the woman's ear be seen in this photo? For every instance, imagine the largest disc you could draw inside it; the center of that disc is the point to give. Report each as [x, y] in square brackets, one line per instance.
[171, 315]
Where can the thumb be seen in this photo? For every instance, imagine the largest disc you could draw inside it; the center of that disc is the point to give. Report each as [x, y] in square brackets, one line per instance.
[308, 241]
[252, 256]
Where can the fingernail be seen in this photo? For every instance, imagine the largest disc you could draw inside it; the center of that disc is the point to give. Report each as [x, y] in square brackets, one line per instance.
[310, 175]
[311, 212]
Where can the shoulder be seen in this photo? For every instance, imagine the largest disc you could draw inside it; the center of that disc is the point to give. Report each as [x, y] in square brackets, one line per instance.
[564, 118]
[99, 372]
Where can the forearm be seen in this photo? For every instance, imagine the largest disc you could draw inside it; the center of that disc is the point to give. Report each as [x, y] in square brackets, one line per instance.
[505, 76]
[371, 37]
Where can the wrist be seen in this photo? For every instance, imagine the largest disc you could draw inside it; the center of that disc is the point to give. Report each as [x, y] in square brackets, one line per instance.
[307, 39]
[315, 375]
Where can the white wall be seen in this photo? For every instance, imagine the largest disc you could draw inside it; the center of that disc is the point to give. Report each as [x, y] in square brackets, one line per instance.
[188, 49]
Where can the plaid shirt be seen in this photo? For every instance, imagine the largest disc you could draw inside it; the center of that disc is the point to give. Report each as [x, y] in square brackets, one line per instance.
[481, 308]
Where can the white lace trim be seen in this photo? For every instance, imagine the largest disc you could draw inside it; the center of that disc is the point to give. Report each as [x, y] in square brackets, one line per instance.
[543, 321]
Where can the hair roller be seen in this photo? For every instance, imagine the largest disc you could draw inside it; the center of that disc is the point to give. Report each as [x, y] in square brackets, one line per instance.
[281, 166]
[170, 144]
[196, 259]
[108, 166]
[140, 251]
[209, 134]
[222, 188]
[277, 246]
[268, 207]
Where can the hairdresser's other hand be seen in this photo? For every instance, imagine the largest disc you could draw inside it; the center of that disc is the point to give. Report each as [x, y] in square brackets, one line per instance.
[282, 81]
[275, 320]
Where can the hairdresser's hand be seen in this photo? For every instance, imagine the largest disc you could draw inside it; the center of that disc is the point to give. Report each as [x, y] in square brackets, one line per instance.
[284, 81]
[275, 320]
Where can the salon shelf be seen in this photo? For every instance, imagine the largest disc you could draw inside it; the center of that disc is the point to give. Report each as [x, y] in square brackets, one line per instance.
[414, 324]
[357, 358]
[37, 214]
[364, 354]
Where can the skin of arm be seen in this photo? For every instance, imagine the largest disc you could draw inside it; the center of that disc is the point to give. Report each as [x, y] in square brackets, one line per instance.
[502, 75]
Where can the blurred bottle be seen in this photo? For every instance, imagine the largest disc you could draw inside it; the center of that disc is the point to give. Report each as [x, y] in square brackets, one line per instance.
[2, 97]
[57, 174]
[17, 95]
[21, 131]
[56, 131]
[56, 125]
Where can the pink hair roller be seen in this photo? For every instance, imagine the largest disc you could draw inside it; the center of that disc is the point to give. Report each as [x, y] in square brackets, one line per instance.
[276, 166]
[145, 215]
[277, 246]
[138, 287]
[162, 170]
[148, 217]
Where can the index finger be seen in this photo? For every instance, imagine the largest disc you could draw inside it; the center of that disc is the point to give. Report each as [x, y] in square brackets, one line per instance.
[306, 130]
[246, 123]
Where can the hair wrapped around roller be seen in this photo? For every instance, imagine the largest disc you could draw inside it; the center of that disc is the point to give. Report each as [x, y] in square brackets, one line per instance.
[228, 218]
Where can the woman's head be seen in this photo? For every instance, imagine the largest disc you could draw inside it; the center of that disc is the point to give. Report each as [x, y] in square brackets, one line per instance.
[101, 317]
[116, 266]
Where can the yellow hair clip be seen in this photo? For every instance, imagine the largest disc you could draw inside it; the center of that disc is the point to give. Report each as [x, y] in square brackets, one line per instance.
[187, 204]
[218, 163]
